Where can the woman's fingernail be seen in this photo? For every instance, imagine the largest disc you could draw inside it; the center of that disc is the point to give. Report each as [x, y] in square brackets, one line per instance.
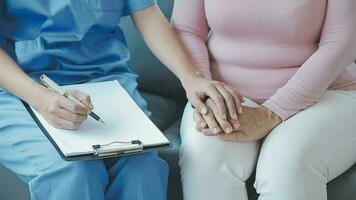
[228, 130]
[216, 130]
[203, 111]
[240, 110]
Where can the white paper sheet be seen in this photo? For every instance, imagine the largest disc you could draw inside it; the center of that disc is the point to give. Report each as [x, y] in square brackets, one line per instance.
[125, 121]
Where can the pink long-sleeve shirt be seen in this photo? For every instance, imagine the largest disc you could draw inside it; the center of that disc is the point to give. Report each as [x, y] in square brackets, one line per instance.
[282, 53]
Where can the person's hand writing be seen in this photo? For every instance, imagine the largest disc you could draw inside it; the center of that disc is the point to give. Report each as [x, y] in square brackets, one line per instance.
[61, 112]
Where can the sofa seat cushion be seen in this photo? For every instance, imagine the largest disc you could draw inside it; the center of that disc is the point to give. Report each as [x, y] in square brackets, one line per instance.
[343, 187]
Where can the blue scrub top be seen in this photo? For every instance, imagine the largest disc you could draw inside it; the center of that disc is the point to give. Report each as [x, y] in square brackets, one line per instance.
[71, 41]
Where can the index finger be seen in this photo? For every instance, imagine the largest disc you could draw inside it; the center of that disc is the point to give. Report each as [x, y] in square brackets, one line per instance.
[198, 118]
[217, 98]
[229, 101]
[237, 98]
[73, 107]
[82, 97]
[224, 124]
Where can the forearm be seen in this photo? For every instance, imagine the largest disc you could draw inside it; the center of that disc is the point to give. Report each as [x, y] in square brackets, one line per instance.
[163, 42]
[336, 51]
[14, 80]
[309, 83]
[191, 26]
[196, 48]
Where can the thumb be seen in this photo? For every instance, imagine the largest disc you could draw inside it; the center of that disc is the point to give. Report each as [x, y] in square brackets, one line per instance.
[198, 104]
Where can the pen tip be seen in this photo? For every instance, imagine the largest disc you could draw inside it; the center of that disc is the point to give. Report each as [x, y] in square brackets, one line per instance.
[100, 120]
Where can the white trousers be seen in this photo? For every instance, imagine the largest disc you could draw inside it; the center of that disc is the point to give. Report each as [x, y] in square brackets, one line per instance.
[294, 162]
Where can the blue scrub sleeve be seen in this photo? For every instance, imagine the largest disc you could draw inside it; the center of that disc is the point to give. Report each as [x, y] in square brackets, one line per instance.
[133, 6]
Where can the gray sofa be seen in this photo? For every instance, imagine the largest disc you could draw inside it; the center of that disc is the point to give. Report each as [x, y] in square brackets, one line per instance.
[166, 100]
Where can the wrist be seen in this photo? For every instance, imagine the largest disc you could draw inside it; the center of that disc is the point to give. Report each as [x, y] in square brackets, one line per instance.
[188, 77]
[37, 95]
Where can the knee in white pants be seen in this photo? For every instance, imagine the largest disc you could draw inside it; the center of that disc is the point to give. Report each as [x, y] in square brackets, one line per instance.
[204, 163]
[210, 175]
[291, 175]
[212, 168]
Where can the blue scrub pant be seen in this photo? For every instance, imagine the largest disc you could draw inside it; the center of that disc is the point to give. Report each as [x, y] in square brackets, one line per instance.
[26, 151]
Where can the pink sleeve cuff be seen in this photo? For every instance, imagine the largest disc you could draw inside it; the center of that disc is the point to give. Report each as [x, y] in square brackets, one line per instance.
[284, 115]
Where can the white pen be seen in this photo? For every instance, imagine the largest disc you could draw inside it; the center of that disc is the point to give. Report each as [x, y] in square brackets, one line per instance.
[53, 86]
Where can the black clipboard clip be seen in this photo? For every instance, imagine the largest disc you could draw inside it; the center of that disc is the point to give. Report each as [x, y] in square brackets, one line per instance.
[117, 148]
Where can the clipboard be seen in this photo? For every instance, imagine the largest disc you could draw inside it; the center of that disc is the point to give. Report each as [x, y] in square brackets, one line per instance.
[113, 148]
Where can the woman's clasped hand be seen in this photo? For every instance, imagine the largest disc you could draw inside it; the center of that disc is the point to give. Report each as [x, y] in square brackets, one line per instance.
[251, 124]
